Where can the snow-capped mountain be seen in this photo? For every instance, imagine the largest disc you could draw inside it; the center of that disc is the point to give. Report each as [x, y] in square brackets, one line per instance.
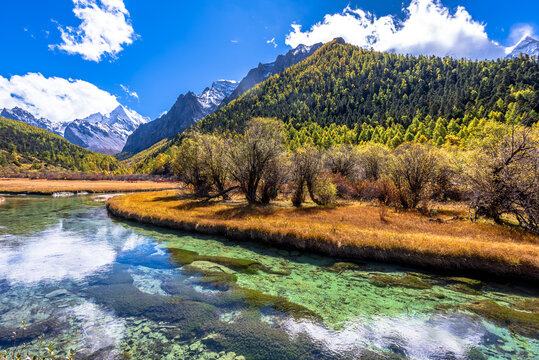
[264, 71]
[187, 110]
[104, 133]
[211, 98]
[527, 45]
[22, 115]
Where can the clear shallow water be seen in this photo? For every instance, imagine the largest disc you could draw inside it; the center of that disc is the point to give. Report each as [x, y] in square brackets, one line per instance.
[114, 290]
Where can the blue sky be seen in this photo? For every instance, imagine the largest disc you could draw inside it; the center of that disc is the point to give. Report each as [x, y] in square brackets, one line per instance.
[177, 46]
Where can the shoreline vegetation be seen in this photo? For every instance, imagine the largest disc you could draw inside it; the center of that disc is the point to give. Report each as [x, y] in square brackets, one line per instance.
[351, 230]
[50, 187]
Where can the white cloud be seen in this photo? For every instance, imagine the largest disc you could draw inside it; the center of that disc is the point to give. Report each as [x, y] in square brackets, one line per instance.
[105, 29]
[129, 92]
[272, 41]
[54, 98]
[428, 28]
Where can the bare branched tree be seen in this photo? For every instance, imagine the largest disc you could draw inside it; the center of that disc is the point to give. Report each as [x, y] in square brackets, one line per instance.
[372, 161]
[412, 169]
[308, 175]
[189, 167]
[254, 153]
[344, 160]
[503, 177]
[214, 151]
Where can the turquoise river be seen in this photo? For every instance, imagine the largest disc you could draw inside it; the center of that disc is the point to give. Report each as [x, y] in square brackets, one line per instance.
[105, 288]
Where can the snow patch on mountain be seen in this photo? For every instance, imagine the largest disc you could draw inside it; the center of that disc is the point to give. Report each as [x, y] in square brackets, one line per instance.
[105, 133]
[527, 45]
[211, 98]
[22, 115]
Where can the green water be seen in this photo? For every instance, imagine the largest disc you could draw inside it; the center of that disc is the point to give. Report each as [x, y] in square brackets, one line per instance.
[109, 289]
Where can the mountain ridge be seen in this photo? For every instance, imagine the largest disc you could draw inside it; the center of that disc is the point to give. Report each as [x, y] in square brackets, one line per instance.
[104, 133]
[186, 111]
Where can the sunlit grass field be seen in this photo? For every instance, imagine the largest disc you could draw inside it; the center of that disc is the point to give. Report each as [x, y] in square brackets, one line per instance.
[45, 187]
[351, 229]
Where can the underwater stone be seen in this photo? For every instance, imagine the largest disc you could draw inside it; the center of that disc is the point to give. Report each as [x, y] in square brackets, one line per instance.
[464, 280]
[208, 266]
[465, 289]
[409, 281]
[519, 322]
[343, 266]
[531, 305]
[57, 293]
[30, 332]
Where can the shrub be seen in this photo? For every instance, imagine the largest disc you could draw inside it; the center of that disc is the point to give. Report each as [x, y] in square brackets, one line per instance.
[372, 160]
[254, 157]
[344, 160]
[503, 177]
[412, 170]
[324, 191]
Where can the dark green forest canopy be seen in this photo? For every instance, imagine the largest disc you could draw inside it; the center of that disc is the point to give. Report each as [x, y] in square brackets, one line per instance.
[22, 144]
[345, 85]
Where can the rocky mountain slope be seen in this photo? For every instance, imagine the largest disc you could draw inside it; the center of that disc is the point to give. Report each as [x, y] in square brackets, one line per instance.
[527, 45]
[187, 110]
[191, 108]
[107, 133]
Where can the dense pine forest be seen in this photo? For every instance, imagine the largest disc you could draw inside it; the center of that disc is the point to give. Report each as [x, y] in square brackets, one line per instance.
[347, 94]
[26, 147]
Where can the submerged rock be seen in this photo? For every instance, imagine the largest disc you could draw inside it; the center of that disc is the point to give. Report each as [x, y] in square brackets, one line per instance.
[208, 266]
[57, 293]
[339, 267]
[30, 332]
[408, 281]
[519, 322]
[187, 257]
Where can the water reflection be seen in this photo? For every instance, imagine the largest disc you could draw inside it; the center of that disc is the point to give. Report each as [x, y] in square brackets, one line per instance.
[112, 290]
[439, 337]
[53, 255]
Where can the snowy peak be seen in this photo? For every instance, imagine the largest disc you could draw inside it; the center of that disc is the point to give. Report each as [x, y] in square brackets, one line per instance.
[186, 111]
[22, 115]
[129, 119]
[527, 45]
[105, 133]
[212, 97]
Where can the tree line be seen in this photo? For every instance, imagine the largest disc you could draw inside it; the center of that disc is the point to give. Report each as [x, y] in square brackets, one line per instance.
[498, 175]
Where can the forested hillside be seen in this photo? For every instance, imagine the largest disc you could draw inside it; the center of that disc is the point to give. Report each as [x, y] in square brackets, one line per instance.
[345, 85]
[344, 94]
[26, 146]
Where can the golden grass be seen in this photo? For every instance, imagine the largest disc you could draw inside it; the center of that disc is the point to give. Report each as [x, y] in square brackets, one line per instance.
[350, 230]
[45, 187]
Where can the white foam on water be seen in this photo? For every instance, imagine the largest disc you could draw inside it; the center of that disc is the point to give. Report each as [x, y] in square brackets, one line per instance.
[63, 194]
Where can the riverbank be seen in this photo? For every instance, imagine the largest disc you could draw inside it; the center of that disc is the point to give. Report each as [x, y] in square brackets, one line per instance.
[49, 187]
[352, 231]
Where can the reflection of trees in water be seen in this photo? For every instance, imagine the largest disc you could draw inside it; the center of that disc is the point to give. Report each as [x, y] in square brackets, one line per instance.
[26, 215]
